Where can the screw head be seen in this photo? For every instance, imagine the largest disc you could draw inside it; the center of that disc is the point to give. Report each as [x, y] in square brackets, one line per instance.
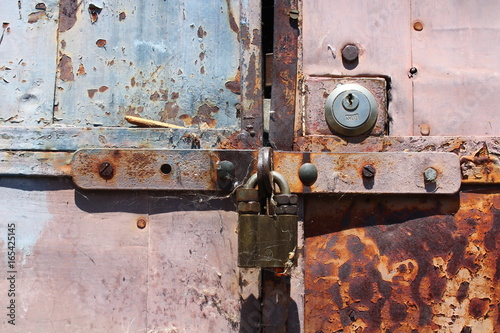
[350, 52]
[430, 175]
[106, 170]
[368, 171]
[308, 174]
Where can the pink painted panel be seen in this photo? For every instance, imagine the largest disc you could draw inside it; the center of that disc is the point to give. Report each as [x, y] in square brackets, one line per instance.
[456, 51]
[193, 278]
[77, 270]
[382, 32]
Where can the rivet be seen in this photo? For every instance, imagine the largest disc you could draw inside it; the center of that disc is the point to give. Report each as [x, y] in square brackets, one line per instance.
[418, 26]
[225, 170]
[141, 223]
[308, 174]
[369, 171]
[430, 175]
[425, 129]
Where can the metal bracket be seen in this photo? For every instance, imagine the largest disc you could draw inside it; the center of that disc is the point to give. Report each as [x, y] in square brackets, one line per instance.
[159, 169]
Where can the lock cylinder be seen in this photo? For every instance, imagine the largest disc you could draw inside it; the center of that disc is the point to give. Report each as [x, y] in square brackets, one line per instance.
[351, 110]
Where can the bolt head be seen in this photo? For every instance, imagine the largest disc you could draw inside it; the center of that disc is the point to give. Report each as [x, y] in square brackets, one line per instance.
[350, 52]
[430, 175]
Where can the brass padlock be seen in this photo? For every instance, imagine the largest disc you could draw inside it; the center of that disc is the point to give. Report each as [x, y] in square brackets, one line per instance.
[267, 236]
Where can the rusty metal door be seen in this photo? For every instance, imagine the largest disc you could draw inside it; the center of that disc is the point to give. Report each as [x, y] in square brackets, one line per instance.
[109, 227]
[76, 260]
[404, 263]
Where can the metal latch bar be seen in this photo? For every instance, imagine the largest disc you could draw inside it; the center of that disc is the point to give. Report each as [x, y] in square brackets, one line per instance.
[163, 169]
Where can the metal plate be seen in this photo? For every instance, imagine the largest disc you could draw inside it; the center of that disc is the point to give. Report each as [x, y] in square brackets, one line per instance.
[456, 54]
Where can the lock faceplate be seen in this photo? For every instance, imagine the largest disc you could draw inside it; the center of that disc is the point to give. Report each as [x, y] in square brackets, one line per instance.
[351, 110]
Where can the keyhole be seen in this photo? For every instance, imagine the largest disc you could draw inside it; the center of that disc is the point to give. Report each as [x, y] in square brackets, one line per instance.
[350, 99]
[350, 102]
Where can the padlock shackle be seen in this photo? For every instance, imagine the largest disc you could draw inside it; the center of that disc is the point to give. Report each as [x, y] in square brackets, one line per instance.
[277, 178]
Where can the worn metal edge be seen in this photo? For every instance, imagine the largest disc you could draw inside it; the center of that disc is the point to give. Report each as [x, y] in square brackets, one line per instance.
[30, 163]
[53, 138]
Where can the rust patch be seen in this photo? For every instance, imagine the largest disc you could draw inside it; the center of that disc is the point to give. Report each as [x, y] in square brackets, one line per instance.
[204, 115]
[175, 95]
[395, 264]
[154, 97]
[252, 80]
[188, 121]
[103, 89]
[201, 55]
[256, 40]
[235, 85]
[232, 22]
[34, 17]
[91, 92]
[67, 14]
[122, 16]
[134, 110]
[81, 70]
[132, 82]
[94, 12]
[65, 68]
[202, 70]
[245, 36]
[201, 33]
[101, 43]
[478, 307]
[170, 111]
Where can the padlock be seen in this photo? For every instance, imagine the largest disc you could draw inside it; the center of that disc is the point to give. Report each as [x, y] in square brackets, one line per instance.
[265, 239]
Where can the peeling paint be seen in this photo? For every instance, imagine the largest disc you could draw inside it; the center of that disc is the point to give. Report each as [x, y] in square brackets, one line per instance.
[65, 68]
[67, 14]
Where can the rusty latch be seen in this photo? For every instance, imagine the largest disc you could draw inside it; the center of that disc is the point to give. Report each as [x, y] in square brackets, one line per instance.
[162, 169]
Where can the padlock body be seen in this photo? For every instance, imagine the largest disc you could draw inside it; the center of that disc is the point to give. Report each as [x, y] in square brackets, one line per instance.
[266, 241]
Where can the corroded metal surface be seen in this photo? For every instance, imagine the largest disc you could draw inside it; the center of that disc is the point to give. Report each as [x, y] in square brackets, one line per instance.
[456, 54]
[284, 74]
[27, 62]
[403, 264]
[197, 170]
[380, 30]
[141, 169]
[35, 163]
[74, 138]
[166, 61]
[250, 74]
